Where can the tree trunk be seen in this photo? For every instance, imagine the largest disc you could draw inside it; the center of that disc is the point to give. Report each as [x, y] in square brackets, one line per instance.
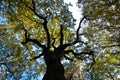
[55, 70]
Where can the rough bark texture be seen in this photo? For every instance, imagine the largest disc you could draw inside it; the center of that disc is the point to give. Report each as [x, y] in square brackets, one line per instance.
[55, 70]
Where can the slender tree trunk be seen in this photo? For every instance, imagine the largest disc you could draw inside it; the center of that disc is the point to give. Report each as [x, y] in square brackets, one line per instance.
[55, 70]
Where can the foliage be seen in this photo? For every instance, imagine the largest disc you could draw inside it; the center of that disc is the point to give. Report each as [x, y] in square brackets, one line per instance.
[74, 70]
[103, 34]
[37, 28]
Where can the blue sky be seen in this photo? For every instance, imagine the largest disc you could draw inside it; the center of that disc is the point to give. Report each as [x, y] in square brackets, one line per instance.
[77, 12]
[3, 20]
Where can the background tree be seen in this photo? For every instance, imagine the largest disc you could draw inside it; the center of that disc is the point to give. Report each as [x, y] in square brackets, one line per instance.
[40, 32]
[103, 34]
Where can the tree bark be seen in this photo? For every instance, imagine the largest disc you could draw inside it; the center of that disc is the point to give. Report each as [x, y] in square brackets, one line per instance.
[55, 70]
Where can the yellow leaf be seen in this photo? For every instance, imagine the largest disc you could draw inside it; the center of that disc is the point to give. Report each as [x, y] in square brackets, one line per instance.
[31, 62]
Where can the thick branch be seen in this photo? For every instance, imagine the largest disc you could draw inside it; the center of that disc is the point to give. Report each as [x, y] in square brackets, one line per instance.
[36, 57]
[61, 35]
[53, 43]
[77, 36]
[33, 2]
[68, 58]
[34, 10]
[75, 54]
[72, 43]
[47, 32]
[77, 33]
[85, 53]
[32, 40]
[44, 24]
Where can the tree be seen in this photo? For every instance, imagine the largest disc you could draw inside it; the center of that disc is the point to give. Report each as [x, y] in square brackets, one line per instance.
[103, 32]
[39, 28]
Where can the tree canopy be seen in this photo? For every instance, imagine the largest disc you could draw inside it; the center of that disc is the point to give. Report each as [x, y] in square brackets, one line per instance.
[38, 35]
[104, 36]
